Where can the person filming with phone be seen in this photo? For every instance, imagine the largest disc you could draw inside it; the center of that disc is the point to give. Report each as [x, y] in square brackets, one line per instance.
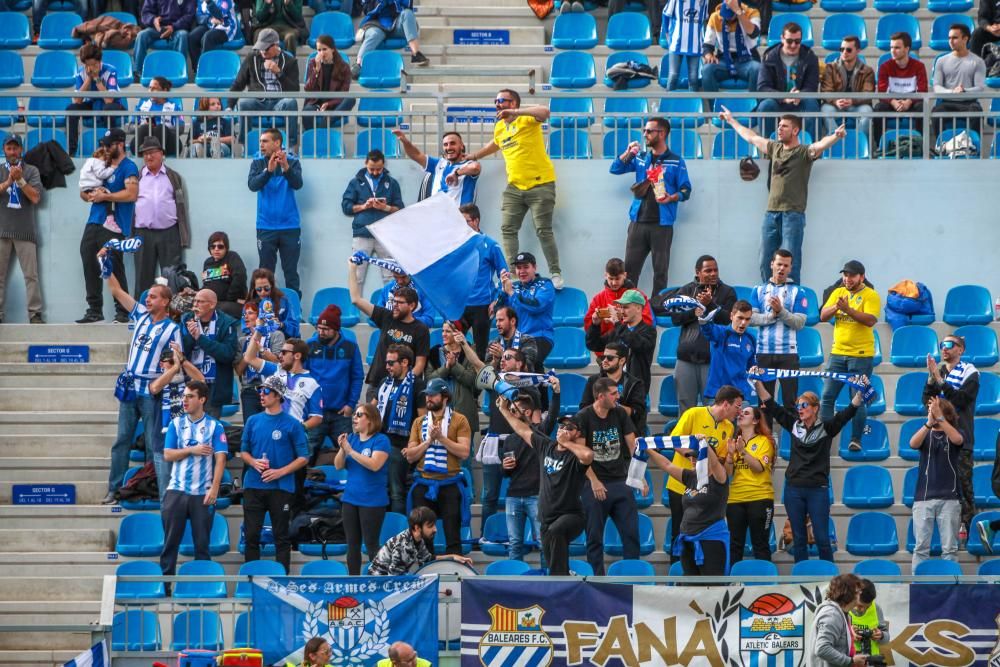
[370, 196]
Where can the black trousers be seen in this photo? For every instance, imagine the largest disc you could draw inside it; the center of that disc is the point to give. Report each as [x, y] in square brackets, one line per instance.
[789, 386]
[176, 509]
[645, 238]
[676, 516]
[167, 136]
[971, 107]
[361, 524]
[557, 532]
[202, 39]
[448, 508]
[619, 504]
[94, 238]
[714, 562]
[102, 124]
[160, 247]
[757, 515]
[966, 495]
[478, 317]
[257, 503]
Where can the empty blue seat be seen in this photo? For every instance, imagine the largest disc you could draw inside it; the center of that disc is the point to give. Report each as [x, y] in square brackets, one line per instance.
[911, 344]
[507, 568]
[381, 69]
[910, 485]
[867, 487]
[875, 408]
[569, 308]
[968, 304]
[571, 387]
[958, 6]
[218, 543]
[200, 589]
[727, 145]
[613, 540]
[393, 524]
[668, 406]
[812, 304]
[940, 27]
[172, 65]
[571, 112]
[737, 105]
[495, 537]
[580, 568]
[989, 567]
[321, 143]
[372, 345]
[630, 567]
[140, 535]
[666, 355]
[338, 296]
[618, 111]
[986, 430]
[573, 69]
[686, 143]
[628, 30]
[122, 62]
[615, 142]
[670, 106]
[8, 111]
[57, 31]
[854, 146]
[980, 345]
[625, 56]
[135, 630]
[815, 568]
[324, 568]
[54, 69]
[569, 349]
[382, 111]
[217, 69]
[132, 590]
[975, 544]
[270, 568]
[15, 33]
[335, 24]
[574, 30]
[779, 21]
[876, 567]
[11, 69]
[904, 6]
[872, 534]
[197, 628]
[935, 539]
[909, 390]
[754, 568]
[983, 487]
[938, 567]
[893, 23]
[642, 501]
[570, 144]
[988, 400]
[242, 633]
[839, 26]
[810, 345]
[376, 138]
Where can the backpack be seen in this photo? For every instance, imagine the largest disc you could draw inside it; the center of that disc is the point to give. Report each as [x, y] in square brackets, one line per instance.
[959, 146]
[179, 277]
[905, 147]
[322, 525]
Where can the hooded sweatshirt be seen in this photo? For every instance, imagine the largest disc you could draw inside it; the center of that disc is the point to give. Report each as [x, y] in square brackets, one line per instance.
[606, 297]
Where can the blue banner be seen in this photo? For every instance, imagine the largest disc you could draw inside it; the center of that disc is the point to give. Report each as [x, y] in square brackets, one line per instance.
[58, 354]
[39, 494]
[359, 616]
[482, 37]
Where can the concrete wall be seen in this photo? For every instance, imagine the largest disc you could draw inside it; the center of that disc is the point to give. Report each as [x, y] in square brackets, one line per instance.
[933, 221]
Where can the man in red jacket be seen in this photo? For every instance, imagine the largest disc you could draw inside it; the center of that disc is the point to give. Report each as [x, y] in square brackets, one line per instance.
[616, 281]
[900, 74]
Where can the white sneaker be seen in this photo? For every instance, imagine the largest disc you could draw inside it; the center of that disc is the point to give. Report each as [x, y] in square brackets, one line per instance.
[557, 281]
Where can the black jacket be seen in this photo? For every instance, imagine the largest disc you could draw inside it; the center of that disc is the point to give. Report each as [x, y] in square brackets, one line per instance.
[964, 400]
[250, 76]
[773, 76]
[224, 348]
[989, 12]
[53, 163]
[633, 395]
[809, 465]
[693, 347]
[640, 341]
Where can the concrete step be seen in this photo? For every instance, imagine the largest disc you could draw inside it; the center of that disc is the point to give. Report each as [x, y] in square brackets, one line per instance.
[445, 34]
[99, 352]
[39, 378]
[58, 446]
[78, 334]
[59, 371]
[51, 588]
[50, 400]
[80, 539]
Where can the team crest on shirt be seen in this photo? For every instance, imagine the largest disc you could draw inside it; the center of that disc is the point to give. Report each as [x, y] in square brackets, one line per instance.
[515, 637]
[275, 434]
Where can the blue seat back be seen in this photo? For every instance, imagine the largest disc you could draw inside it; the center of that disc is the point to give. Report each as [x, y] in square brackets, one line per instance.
[171, 65]
[335, 24]
[574, 30]
[15, 33]
[197, 628]
[571, 112]
[980, 345]
[669, 106]
[122, 62]
[982, 484]
[139, 589]
[628, 30]
[507, 568]
[218, 543]
[140, 535]
[57, 31]
[573, 69]
[570, 144]
[624, 56]
[668, 405]
[217, 69]
[838, 26]
[338, 296]
[910, 485]
[686, 143]
[54, 69]
[571, 387]
[893, 23]
[727, 145]
[911, 344]
[569, 349]
[376, 138]
[569, 308]
[941, 25]
[124, 17]
[615, 142]
[244, 589]
[666, 355]
[321, 143]
[630, 567]
[324, 568]
[810, 346]
[614, 106]
[135, 630]
[380, 111]
[11, 69]
[381, 69]
[200, 588]
[779, 22]
[867, 486]
[817, 568]
[581, 568]
[938, 567]
[753, 568]
[854, 146]
[876, 567]
[909, 389]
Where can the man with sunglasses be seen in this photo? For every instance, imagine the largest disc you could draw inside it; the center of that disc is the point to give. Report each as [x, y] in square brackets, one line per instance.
[654, 203]
[274, 448]
[788, 67]
[848, 75]
[400, 401]
[510, 338]
[631, 389]
[531, 176]
[957, 381]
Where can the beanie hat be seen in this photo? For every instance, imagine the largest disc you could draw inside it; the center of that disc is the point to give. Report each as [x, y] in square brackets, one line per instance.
[330, 317]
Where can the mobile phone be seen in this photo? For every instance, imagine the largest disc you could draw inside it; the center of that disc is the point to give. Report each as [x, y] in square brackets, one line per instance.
[380, 200]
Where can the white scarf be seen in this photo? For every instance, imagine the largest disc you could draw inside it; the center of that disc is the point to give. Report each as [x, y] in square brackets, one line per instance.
[436, 456]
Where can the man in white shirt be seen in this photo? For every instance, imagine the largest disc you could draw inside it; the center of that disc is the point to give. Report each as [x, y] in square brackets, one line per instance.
[452, 173]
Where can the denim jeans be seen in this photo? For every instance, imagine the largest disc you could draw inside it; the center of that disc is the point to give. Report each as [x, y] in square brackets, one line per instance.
[519, 510]
[814, 502]
[832, 121]
[270, 104]
[163, 468]
[714, 74]
[693, 66]
[782, 229]
[773, 105]
[854, 366]
[399, 477]
[284, 242]
[492, 479]
[925, 514]
[331, 427]
[178, 42]
[405, 27]
[129, 414]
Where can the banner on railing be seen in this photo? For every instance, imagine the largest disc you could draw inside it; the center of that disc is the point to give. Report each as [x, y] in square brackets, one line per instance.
[360, 617]
[543, 624]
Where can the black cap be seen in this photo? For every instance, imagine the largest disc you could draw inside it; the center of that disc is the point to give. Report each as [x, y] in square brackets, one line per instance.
[854, 267]
[524, 258]
[115, 135]
[12, 139]
[569, 421]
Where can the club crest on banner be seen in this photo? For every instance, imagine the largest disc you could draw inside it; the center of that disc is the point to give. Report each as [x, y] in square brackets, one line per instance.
[772, 632]
[515, 638]
[356, 630]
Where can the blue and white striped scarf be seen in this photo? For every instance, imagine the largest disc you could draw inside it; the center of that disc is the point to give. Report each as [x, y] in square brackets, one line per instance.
[519, 380]
[14, 192]
[360, 257]
[681, 304]
[121, 245]
[436, 456]
[665, 444]
[859, 382]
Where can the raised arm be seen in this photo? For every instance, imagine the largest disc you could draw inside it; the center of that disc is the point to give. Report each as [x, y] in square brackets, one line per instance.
[410, 148]
[744, 132]
[817, 148]
[361, 303]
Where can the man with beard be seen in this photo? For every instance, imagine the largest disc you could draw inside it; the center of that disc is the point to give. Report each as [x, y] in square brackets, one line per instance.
[20, 194]
[335, 362]
[451, 173]
[533, 297]
[511, 338]
[400, 402]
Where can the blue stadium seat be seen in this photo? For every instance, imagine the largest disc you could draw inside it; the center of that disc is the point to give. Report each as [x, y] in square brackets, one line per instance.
[54, 69]
[171, 65]
[494, 535]
[875, 567]
[372, 345]
[200, 589]
[791, 6]
[573, 69]
[570, 144]
[813, 550]
[938, 567]
[838, 26]
[988, 400]
[983, 488]
[949, 133]
[910, 485]
[570, 307]
[571, 392]
[940, 27]
[644, 501]
[15, 33]
[669, 106]
[132, 590]
[666, 355]
[270, 568]
[748, 544]
[872, 534]
[989, 567]
[785, 445]
[218, 543]
[144, 504]
[618, 111]
[754, 568]
[381, 69]
[911, 344]
[676, 570]
[376, 138]
[668, 406]
[738, 105]
[381, 111]
[571, 112]
[628, 30]
[8, 104]
[986, 430]
[909, 388]
[613, 540]
[197, 628]
[893, 135]
[57, 31]
[727, 145]
[935, 539]
[625, 56]
[867, 487]
[507, 568]
[812, 304]
[615, 142]
[339, 296]
[779, 21]
[813, 384]
[122, 62]
[810, 345]
[321, 143]
[569, 349]
[580, 568]
[140, 535]
[465, 535]
[11, 69]
[980, 345]
[744, 292]
[135, 630]
[968, 304]
[876, 407]
[335, 24]
[630, 567]
[323, 568]
[957, 6]
[124, 17]
[242, 633]
[815, 568]
[686, 143]
[854, 146]
[574, 30]
[217, 69]
[903, 6]
[975, 543]
[893, 23]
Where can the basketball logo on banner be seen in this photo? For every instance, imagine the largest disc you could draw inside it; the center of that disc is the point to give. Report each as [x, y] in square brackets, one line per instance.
[515, 638]
[356, 630]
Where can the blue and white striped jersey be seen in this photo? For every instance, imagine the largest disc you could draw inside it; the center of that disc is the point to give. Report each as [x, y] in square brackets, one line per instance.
[193, 474]
[304, 397]
[685, 24]
[777, 338]
[463, 192]
[149, 339]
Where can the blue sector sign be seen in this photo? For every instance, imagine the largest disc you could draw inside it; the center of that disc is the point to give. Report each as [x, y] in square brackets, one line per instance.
[482, 37]
[44, 494]
[58, 354]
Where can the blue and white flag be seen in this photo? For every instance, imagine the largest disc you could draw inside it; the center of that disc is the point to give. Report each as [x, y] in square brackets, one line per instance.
[434, 244]
[359, 616]
[95, 656]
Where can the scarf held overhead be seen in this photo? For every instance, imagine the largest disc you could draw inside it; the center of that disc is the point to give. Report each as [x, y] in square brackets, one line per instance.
[859, 382]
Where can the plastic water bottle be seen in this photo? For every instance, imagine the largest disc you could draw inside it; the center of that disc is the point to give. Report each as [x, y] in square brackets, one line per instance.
[263, 459]
[996, 309]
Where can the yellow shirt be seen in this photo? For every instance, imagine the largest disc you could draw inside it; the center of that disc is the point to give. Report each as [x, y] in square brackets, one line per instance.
[699, 421]
[523, 147]
[747, 485]
[458, 427]
[850, 338]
